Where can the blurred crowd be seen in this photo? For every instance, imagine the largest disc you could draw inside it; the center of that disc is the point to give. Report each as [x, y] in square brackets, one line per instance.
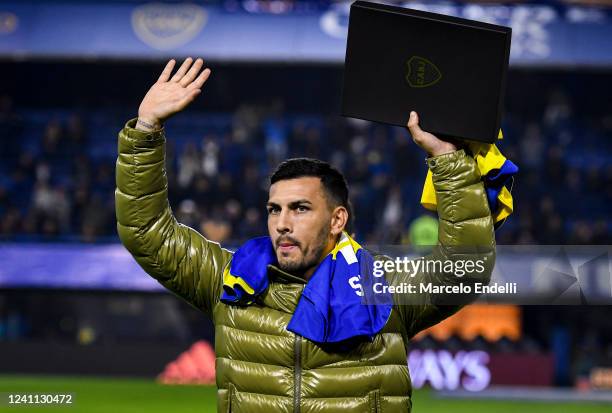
[57, 172]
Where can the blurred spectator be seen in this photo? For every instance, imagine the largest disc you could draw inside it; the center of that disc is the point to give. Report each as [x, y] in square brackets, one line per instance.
[216, 230]
[188, 214]
[210, 158]
[423, 232]
[188, 165]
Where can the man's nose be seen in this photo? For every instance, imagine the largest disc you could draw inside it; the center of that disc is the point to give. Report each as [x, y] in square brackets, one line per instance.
[283, 224]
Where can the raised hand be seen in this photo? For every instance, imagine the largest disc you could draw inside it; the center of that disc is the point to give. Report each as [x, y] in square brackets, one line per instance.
[170, 95]
[433, 145]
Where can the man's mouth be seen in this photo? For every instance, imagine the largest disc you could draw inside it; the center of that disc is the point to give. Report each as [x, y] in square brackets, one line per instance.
[286, 246]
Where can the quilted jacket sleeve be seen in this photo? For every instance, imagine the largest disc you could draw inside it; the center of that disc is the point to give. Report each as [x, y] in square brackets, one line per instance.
[465, 233]
[177, 256]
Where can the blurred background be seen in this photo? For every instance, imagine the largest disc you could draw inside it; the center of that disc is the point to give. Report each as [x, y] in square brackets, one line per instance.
[72, 300]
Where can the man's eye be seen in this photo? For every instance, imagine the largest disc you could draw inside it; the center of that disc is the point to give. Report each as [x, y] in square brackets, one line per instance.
[302, 208]
[272, 211]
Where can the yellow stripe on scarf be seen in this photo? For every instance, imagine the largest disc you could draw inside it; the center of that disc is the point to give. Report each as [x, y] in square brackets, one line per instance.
[231, 280]
[488, 157]
[345, 240]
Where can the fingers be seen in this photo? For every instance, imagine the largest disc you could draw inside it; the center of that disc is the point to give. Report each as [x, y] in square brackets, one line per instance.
[186, 74]
[182, 70]
[413, 125]
[199, 82]
[165, 75]
[192, 73]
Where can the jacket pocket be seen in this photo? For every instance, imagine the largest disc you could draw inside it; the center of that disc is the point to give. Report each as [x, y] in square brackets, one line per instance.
[374, 399]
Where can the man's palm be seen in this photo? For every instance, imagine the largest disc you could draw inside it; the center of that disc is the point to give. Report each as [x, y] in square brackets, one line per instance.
[170, 95]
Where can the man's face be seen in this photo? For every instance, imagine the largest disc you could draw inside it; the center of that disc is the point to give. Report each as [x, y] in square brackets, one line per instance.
[299, 223]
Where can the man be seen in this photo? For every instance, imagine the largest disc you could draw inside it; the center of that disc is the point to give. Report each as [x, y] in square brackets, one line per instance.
[262, 364]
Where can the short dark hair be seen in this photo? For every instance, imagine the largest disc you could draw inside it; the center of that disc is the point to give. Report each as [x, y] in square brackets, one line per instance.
[333, 181]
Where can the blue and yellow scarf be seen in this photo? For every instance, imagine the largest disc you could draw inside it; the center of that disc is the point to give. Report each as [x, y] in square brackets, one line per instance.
[497, 173]
[337, 302]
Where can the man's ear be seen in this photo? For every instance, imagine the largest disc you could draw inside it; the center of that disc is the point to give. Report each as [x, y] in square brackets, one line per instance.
[339, 219]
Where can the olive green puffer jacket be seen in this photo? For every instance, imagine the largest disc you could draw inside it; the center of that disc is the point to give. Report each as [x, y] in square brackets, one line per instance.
[261, 367]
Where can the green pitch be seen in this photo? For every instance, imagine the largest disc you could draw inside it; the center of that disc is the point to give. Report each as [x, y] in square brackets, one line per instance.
[94, 395]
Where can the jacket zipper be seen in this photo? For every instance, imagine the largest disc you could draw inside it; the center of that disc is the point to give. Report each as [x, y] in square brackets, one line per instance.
[297, 373]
